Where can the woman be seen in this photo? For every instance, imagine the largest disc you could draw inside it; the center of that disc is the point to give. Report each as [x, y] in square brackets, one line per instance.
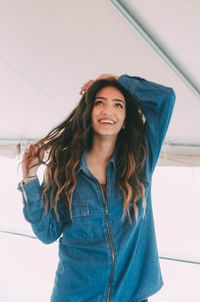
[96, 194]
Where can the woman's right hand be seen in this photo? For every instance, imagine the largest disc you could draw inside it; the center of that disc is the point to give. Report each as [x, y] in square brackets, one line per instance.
[32, 160]
[102, 76]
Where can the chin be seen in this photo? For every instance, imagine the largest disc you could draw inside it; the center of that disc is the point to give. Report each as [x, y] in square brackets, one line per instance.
[106, 133]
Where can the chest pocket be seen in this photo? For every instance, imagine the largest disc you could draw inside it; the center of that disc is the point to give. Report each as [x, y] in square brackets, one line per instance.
[79, 229]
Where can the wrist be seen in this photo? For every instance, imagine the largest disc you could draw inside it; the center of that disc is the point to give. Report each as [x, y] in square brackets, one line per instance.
[27, 178]
[30, 176]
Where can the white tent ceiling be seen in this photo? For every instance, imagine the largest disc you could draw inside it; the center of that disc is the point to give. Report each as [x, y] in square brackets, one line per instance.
[50, 48]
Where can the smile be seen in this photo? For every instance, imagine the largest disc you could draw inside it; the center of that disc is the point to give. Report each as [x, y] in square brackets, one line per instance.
[106, 122]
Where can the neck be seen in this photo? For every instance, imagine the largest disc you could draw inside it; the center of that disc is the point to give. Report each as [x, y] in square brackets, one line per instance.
[102, 150]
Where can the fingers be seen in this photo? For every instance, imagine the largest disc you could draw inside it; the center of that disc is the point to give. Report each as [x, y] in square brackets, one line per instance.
[32, 159]
[30, 153]
[102, 76]
[34, 152]
[86, 86]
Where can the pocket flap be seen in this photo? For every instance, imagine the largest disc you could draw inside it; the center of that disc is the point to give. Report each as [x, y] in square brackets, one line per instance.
[80, 209]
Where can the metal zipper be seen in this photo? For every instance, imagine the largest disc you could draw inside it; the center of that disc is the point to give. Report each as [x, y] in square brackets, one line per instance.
[109, 236]
[113, 256]
[111, 244]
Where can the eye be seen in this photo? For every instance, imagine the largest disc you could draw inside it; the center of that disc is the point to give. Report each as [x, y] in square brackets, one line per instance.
[119, 105]
[98, 102]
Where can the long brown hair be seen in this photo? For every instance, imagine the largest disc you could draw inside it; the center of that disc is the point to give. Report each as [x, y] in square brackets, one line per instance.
[67, 142]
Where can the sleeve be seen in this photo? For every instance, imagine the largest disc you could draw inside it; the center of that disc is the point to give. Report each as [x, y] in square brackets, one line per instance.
[46, 226]
[157, 102]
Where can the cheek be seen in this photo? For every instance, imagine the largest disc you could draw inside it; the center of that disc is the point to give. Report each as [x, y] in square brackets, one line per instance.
[94, 115]
[123, 117]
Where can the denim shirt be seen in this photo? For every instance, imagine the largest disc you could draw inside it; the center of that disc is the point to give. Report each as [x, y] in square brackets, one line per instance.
[101, 258]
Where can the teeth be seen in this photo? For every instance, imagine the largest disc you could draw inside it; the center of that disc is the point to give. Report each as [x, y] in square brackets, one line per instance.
[106, 121]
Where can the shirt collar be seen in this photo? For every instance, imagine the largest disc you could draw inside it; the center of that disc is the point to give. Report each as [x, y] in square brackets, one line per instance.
[83, 165]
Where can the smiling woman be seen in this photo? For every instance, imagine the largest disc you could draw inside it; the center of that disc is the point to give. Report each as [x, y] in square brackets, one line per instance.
[96, 193]
[109, 110]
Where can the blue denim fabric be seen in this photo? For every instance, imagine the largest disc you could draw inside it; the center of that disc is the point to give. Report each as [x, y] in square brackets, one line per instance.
[99, 255]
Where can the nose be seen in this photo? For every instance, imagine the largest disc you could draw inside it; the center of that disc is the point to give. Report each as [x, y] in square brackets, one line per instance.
[107, 110]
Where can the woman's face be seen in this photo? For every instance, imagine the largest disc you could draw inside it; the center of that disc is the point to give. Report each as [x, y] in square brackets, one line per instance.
[109, 112]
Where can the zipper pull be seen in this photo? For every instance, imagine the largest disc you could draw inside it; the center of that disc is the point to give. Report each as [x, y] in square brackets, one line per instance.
[106, 209]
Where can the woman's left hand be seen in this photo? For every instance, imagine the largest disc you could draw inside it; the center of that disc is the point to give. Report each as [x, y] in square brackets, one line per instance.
[90, 82]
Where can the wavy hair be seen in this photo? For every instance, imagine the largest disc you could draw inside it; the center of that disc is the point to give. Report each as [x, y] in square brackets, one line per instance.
[67, 142]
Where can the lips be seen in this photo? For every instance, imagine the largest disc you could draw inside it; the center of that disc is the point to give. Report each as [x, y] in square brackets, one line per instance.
[106, 121]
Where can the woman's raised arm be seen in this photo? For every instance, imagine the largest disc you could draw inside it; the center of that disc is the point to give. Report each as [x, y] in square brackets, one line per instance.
[157, 102]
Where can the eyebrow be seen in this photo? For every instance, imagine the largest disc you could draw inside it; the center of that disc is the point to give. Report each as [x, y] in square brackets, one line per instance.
[115, 100]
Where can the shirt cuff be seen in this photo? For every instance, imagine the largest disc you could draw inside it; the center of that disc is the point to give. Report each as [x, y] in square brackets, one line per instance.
[130, 82]
[31, 190]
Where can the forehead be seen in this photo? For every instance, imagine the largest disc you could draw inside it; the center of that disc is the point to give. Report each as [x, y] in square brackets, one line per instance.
[110, 92]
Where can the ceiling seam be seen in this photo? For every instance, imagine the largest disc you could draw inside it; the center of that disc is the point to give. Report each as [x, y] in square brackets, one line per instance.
[140, 28]
[24, 77]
